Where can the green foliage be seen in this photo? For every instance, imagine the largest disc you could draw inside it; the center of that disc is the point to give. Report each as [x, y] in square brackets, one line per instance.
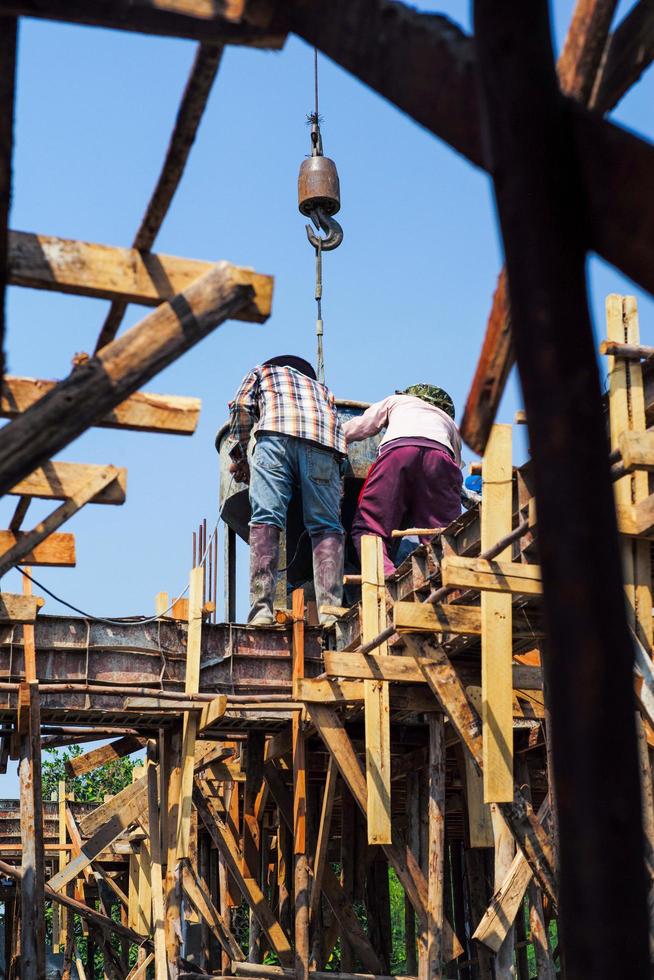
[91, 787]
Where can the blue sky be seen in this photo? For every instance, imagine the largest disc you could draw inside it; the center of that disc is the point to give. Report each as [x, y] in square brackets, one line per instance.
[406, 297]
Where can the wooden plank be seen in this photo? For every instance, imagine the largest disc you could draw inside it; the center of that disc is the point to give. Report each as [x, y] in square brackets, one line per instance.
[189, 729]
[324, 829]
[141, 412]
[81, 764]
[118, 370]
[107, 272]
[404, 670]
[200, 20]
[95, 482]
[32, 892]
[507, 899]
[91, 823]
[493, 576]
[455, 619]
[210, 813]
[376, 695]
[58, 481]
[402, 859]
[212, 712]
[119, 817]
[57, 549]
[496, 615]
[19, 608]
[199, 896]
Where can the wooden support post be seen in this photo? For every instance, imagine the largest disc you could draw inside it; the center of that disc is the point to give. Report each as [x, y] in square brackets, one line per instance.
[322, 843]
[170, 766]
[541, 199]
[376, 695]
[251, 837]
[63, 858]
[301, 864]
[496, 616]
[154, 832]
[436, 860]
[413, 842]
[32, 891]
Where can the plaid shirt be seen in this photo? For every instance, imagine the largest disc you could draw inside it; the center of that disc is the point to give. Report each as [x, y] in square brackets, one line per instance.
[281, 399]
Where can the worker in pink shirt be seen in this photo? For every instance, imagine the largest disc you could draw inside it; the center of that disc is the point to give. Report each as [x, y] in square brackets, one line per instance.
[416, 479]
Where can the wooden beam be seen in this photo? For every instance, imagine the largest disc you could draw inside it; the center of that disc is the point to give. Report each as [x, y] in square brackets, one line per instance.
[141, 412]
[629, 52]
[376, 695]
[56, 550]
[117, 816]
[59, 481]
[199, 20]
[8, 41]
[81, 764]
[447, 617]
[131, 274]
[496, 614]
[577, 70]
[500, 915]
[19, 608]
[191, 109]
[494, 576]
[29, 540]
[584, 46]
[534, 147]
[406, 670]
[96, 387]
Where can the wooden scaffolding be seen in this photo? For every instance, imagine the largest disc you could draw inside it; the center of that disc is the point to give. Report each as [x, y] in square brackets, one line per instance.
[476, 730]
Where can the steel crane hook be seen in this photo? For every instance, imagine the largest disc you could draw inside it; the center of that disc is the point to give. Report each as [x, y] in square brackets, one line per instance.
[331, 227]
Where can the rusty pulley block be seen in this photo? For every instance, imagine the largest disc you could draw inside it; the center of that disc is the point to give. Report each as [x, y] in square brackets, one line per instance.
[319, 193]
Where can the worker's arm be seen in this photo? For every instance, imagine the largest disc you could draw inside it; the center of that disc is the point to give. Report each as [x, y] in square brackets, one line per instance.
[373, 420]
[243, 415]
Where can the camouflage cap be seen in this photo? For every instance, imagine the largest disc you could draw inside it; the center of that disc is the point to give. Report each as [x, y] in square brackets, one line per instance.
[433, 395]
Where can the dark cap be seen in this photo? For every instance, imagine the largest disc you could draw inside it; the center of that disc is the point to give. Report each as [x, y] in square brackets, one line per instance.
[297, 363]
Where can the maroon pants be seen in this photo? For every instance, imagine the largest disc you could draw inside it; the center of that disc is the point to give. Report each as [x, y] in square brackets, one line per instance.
[408, 486]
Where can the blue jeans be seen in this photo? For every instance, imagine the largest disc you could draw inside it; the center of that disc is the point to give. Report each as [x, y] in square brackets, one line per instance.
[279, 464]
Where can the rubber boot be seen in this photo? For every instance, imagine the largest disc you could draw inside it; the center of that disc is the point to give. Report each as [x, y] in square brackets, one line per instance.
[264, 561]
[328, 552]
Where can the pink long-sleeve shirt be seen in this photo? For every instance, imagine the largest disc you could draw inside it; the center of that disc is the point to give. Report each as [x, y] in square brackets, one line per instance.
[405, 417]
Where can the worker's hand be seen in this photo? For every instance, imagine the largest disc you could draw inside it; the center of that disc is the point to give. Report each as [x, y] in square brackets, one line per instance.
[240, 470]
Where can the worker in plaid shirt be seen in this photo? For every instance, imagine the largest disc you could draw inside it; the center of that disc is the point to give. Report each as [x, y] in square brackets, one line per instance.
[299, 443]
